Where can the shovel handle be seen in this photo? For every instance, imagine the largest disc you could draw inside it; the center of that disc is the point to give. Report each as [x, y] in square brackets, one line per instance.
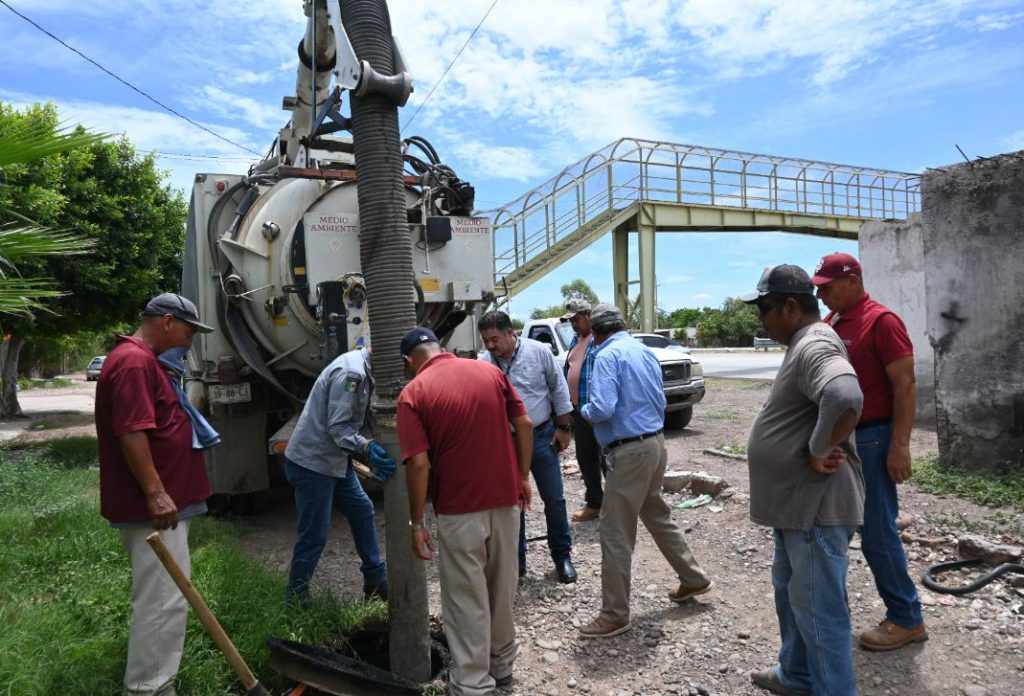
[213, 627]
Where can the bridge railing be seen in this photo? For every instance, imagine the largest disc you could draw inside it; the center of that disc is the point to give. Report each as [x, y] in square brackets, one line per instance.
[631, 170]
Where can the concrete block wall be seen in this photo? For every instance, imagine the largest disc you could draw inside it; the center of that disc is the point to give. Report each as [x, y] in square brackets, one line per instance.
[892, 255]
[973, 244]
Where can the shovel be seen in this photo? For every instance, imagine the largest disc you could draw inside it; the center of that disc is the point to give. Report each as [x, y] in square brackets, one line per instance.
[249, 682]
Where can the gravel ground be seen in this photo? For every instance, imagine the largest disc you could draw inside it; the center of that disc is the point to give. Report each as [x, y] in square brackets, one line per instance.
[710, 644]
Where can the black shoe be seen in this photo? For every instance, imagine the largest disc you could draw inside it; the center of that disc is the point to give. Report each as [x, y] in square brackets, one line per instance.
[503, 681]
[377, 590]
[566, 573]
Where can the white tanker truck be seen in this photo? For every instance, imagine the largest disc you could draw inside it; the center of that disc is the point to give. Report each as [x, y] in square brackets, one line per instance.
[272, 259]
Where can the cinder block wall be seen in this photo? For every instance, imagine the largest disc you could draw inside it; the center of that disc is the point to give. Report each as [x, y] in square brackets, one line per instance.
[973, 243]
[892, 255]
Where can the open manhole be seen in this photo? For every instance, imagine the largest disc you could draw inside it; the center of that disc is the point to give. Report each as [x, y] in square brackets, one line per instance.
[359, 665]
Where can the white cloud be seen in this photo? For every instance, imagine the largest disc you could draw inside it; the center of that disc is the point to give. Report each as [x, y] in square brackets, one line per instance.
[701, 296]
[1013, 141]
[498, 162]
[678, 278]
[997, 21]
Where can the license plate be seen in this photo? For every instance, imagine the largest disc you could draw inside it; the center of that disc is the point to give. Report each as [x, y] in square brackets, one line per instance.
[230, 393]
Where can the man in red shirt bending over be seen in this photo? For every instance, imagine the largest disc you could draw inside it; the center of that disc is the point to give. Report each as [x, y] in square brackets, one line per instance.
[453, 426]
[883, 357]
[152, 476]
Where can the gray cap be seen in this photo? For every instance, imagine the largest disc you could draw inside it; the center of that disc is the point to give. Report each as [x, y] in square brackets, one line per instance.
[574, 307]
[178, 307]
[784, 279]
[604, 315]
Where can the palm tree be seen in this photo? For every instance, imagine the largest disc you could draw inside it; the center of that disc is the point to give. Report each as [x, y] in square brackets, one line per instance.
[21, 238]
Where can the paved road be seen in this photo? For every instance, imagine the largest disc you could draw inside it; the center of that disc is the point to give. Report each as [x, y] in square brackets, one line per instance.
[80, 397]
[741, 365]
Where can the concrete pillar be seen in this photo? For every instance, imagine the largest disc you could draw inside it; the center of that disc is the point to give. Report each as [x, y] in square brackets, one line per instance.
[648, 290]
[974, 290]
[892, 255]
[620, 269]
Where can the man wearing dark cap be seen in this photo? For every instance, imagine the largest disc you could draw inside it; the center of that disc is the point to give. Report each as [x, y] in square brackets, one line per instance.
[806, 484]
[152, 476]
[627, 409]
[454, 422]
[330, 432]
[883, 356]
[578, 366]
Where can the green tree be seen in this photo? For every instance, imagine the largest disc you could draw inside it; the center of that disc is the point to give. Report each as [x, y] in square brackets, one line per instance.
[574, 289]
[734, 324]
[108, 193]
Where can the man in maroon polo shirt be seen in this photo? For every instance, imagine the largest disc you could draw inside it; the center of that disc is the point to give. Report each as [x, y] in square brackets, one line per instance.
[453, 426]
[152, 476]
[883, 357]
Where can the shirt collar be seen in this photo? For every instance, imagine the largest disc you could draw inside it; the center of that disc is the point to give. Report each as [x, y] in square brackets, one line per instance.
[618, 336]
[856, 309]
[440, 357]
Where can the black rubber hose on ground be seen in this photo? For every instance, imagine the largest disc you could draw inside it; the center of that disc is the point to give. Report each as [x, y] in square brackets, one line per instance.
[385, 252]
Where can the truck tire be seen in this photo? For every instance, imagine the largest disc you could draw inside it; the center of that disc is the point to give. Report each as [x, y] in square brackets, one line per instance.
[677, 420]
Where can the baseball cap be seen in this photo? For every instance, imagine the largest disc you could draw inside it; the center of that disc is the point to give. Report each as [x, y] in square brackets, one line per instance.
[415, 337]
[574, 307]
[604, 314]
[178, 307]
[835, 266]
[784, 279]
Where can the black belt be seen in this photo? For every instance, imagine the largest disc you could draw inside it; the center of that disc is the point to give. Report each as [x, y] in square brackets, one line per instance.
[638, 438]
[542, 425]
[873, 423]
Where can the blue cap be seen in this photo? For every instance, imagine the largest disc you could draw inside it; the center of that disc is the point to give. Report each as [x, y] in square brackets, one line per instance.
[417, 337]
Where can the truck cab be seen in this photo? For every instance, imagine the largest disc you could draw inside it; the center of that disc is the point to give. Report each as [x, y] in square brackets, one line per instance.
[682, 376]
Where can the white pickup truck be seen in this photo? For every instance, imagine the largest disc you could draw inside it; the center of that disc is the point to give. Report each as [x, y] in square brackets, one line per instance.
[682, 376]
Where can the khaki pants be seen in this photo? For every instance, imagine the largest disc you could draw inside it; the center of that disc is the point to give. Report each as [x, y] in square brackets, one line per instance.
[633, 491]
[156, 637]
[478, 572]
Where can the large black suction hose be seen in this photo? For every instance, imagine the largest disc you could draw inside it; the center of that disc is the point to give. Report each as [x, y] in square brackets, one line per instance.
[385, 252]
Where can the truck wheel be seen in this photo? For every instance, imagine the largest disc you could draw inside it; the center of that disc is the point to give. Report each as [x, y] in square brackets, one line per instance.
[677, 420]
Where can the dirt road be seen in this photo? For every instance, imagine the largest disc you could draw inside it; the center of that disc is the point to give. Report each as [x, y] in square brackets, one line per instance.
[709, 645]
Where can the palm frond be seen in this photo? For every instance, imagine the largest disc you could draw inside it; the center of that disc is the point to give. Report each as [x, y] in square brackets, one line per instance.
[23, 296]
[19, 242]
[27, 145]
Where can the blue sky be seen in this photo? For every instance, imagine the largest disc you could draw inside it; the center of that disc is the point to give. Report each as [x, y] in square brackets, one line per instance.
[891, 84]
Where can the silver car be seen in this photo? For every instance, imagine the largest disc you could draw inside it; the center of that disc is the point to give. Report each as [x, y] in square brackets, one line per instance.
[92, 372]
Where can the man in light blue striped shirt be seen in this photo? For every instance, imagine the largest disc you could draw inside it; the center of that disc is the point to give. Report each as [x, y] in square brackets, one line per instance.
[627, 407]
[531, 368]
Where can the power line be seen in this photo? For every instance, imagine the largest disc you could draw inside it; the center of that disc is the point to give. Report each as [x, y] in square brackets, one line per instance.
[128, 84]
[431, 92]
[188, 156]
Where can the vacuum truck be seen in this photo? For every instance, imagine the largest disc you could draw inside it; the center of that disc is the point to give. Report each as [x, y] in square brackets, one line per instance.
[272, 258]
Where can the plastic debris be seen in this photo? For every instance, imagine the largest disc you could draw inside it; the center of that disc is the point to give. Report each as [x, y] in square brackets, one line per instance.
[693, 502]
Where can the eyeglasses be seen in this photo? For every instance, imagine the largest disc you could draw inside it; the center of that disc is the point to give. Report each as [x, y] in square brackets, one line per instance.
[764, 308]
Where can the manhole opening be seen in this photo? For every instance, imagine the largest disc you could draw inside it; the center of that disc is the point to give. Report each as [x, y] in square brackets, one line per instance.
[370, 644]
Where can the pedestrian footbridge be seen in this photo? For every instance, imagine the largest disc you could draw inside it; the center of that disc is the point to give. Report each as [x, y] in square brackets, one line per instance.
[644, 187]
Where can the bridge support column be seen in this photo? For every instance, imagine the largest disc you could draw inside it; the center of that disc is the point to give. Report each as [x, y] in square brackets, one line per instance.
[648, 290]
[620, 269]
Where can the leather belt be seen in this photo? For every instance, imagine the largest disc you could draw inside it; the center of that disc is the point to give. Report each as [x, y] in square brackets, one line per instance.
[627, 440]
[873, 423]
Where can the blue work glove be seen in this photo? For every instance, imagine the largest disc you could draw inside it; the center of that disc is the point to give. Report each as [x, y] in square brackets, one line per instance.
[380, 461]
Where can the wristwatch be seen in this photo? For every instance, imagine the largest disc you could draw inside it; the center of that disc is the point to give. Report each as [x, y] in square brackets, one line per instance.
[567, 427]
[414, 526]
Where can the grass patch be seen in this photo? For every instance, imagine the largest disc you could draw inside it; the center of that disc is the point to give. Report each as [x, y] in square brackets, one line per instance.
[25, 383]
[733, 448]
[58, 421]
[67, 586]
[721, 414]
[999, 487]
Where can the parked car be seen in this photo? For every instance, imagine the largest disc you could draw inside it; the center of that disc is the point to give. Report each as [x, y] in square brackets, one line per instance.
[92, 371]
[766, 343]
[682, 376]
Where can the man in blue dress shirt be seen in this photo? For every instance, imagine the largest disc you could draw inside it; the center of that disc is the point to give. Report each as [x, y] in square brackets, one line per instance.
[627, 408]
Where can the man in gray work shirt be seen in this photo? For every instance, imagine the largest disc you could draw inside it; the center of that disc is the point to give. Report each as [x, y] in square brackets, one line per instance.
[317, 460]
[531, 368]
[806, 484]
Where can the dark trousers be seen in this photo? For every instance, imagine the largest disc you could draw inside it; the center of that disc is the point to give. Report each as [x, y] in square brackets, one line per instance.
[590, 459]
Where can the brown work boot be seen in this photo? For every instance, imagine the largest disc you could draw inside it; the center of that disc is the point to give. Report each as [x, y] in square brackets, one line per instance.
[684, 593]
[599, 628]
[890, 636]
[586, 513]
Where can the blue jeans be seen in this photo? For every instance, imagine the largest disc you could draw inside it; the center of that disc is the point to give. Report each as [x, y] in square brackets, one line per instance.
[315, 495]
[547, 474]
[880, 539]
[809, 578]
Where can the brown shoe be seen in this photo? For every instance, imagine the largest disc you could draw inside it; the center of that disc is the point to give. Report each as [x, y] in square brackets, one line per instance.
[890, 636]
[684, 593]
[586, 513]
[599, 628]
[768, 680]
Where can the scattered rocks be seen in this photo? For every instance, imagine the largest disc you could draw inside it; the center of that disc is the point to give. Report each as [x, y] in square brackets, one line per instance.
[974, 546]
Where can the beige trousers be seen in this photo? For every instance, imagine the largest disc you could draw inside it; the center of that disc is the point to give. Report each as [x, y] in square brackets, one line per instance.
[479, 568]
[156, 636]
[633, 491]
